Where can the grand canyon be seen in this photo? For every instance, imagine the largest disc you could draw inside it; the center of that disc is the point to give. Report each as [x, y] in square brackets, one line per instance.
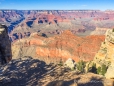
[58, 33]
[38, 40]
[22, 23]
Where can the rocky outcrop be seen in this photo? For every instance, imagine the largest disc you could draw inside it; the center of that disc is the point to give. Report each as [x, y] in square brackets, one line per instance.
[110, 71]
[5, 45]
[9, 15]
[70, 63]
[106, 53]
[110, 36]
[106, 50]
[33, 72]
[63, 46]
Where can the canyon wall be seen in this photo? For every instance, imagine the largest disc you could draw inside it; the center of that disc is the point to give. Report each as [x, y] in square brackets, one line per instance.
[105, 55]
[58, 47]
[21, 23]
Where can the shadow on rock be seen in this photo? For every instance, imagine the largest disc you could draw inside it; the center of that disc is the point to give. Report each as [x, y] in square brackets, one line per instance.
[23, 72]
[77, 82]
[5, 45]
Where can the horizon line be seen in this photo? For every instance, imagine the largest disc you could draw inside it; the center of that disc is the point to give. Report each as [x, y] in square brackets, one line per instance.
[62, 9]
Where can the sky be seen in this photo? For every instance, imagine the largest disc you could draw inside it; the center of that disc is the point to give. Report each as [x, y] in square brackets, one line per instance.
[57, 4]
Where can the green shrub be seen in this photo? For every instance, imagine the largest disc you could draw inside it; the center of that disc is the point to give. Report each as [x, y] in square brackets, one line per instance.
[93, 69]
[88, 66]
[80, 66]
[102, 70]
[73, 69]
[98, 70]
[113, 30]
[60, 63]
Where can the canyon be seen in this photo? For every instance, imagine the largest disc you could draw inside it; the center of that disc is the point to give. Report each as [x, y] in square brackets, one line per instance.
[38, 41]
[59, 47]
[22, 23]
[61, 34]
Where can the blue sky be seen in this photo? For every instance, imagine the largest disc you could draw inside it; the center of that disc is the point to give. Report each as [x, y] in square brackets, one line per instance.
[56, 4]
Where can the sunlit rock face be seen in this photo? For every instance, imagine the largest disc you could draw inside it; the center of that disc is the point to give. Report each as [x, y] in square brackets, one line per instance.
[107, 47]
[106, 54]
[63, 46]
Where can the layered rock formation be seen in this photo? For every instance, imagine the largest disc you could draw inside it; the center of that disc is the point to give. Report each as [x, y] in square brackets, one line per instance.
[106, 49]
[63, 46]
[9, 15]
[52, 22]
[106, 53]
[5, 45]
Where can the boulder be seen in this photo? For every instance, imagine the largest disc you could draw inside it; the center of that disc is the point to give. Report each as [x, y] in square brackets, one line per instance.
[70, 63]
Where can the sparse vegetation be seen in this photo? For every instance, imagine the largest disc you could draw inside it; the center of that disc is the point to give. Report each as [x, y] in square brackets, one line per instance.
[102, 70]
[93, 69]
[105, 49]
[73, 69]
[103, 42]
[81, 65]
[88, 66]
[113, 30]
[60, 63]
[98, 70]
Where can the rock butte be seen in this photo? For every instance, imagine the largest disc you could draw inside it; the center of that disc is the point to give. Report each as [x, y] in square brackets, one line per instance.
[63, 46]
